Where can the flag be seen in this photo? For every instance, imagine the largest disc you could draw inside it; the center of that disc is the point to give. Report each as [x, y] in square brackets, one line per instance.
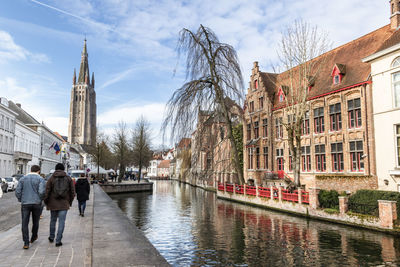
[57, 149]
[52, 145]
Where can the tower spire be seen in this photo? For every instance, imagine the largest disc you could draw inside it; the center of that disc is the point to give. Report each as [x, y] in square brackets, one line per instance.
[93, 79]
[84, 64]
[74, 78]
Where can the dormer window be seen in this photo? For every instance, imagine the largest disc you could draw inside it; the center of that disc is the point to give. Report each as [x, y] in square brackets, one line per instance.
[336, 79]
[281, 95]
[281, 98]
[339, 70]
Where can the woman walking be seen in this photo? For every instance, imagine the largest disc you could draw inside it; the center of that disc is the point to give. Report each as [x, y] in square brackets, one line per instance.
[82, 189]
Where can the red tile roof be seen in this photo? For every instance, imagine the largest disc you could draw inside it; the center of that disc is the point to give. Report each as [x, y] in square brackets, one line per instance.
[163, 164]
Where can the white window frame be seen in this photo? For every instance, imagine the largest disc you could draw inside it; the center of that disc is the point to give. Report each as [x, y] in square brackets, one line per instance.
[397, 145]
[395, 104]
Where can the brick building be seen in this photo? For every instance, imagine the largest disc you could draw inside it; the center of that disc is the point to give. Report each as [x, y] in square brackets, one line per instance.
[337, 141]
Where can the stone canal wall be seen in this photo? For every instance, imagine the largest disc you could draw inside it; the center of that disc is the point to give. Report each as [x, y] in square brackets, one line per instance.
[127, 187]
[116, 240]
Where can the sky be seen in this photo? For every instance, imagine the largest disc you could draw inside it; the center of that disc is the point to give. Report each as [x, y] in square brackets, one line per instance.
[132, 47]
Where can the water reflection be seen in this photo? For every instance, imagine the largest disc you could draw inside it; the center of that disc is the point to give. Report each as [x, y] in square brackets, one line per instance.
[190, 226]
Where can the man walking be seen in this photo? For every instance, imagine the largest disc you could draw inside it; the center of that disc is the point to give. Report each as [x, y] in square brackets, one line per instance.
[60, 193]
[30, 192]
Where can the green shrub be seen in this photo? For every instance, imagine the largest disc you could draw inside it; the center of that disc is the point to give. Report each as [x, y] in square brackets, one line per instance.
[328, 199]
[331, 211]
[366, 201]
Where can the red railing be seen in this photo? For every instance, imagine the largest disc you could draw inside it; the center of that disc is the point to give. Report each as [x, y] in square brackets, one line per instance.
[275, 193]
[221, 187]
[251, 190]
[229, 188]
[264, 192]
[305, 197]
[239, 189]
[288, 196]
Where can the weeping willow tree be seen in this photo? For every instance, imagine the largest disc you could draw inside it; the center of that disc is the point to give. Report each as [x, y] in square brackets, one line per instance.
[213, 74]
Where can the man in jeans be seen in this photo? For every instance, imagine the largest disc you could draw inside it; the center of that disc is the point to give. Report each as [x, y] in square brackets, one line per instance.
[60, 193]
[30, 192]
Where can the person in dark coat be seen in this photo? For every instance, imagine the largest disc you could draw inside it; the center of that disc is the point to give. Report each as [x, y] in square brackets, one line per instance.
[82, 189]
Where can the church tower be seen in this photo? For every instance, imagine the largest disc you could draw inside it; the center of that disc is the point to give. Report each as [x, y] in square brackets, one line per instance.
[82, 114]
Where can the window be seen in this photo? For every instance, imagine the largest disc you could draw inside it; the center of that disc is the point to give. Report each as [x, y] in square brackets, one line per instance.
[256, 130]
[337, 157]
[7, 124]
[252, 106]
[248, 132]
[261, 102]
[2, 122]
[278, 128]
[396, 62]
[305, 159]
[320, 158]
[222, 132]
[265, 127]
[258, 158]
[279, 159]
[256, 84]
[396, 88]
[250, 157]
[319, 126]
[354, 109]
[281, 98]
[397, 141]
[356, 152]
[335, 117]
[306, 124]
[265, 150]
[336, 79]
[290, 160]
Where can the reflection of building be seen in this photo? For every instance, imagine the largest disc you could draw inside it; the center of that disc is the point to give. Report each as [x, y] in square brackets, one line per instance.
[82, 116]
[337, 133]
[385, 73]
[7, 129]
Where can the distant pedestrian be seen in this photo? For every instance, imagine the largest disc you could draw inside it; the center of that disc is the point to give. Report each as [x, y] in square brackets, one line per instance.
[30, 192]
[60, 193]
[82, 189]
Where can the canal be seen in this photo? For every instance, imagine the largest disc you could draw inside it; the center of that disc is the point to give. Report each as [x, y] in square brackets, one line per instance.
[191, 227]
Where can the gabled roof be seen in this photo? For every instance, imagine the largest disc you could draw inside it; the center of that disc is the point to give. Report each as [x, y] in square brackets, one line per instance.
[22, 116]
[163, 164]
[184, 143]
[349, 54]
[393, 40]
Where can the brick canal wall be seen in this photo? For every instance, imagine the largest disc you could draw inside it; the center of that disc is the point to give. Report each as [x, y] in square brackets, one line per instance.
[126, 188]
[116, 240]
[309, 210]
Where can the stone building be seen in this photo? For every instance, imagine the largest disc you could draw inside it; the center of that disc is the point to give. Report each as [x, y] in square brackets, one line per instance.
[385, 73]
[337, 143]
[7, 130]
[26, 148]
[82, 115]
[211, 149]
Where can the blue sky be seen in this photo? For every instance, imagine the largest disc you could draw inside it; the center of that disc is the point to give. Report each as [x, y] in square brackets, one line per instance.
[131, 46]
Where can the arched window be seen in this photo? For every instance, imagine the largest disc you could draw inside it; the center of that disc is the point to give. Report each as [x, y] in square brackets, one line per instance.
[396, 62]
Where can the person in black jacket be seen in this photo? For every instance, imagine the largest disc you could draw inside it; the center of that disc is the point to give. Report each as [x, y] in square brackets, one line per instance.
[82, 189]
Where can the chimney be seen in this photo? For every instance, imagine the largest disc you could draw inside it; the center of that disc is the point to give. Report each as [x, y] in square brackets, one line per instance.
[18, 105]
[394, 14]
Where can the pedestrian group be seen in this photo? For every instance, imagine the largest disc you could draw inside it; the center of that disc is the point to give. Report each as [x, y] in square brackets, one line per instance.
[57, 194]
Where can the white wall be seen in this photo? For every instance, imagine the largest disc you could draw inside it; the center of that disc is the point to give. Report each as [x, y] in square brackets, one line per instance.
[7, 129]
[386, 116]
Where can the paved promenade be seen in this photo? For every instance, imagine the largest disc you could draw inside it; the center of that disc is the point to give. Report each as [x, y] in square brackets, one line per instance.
[104, 237]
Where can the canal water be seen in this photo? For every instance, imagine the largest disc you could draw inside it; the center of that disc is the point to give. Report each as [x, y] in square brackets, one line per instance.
[191, 227]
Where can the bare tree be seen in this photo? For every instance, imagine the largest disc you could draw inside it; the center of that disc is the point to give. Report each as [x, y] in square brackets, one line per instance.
[100, 151]
[301, 56]
[141, 152]
[213, 73]
[120, 146]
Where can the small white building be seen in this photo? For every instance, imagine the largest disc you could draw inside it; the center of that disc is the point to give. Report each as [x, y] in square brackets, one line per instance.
[163, 168]
[26, 148]
[385, 73]
[7, 130]
[152, 170]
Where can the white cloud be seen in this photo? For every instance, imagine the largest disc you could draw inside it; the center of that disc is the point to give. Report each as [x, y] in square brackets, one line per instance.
[9, 50]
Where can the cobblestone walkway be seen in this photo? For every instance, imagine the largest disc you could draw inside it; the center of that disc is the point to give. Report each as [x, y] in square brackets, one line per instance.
[76, 249]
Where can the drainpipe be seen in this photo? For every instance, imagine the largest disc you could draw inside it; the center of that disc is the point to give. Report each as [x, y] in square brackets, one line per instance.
[366, 129]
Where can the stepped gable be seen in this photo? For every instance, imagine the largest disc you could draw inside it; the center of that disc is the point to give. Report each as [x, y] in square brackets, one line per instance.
[348, 56]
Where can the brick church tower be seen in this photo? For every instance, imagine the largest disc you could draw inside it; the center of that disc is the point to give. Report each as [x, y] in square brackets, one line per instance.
[82, 115]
